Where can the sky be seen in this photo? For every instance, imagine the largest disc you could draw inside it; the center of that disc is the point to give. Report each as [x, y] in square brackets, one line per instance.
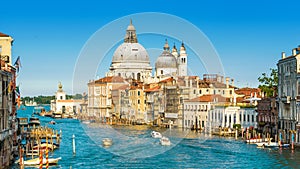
[248, 36]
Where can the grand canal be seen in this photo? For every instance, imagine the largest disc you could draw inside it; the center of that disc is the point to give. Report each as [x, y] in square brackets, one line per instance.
[134, 148]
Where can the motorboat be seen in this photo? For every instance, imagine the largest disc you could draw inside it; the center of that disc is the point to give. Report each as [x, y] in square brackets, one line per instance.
[107, 142]
[39, 110]
[57, 115]
[34, 121]
[156, 134]
[254, 140]
[36, 161]
[164, 141]
[52, 122]
[43, 146]
[271, 144]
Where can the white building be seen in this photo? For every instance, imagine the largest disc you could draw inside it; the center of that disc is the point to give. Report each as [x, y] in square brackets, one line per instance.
[195, 113]
[64, 106]
[171, 64]
[223, 116]
[289, 94]
[130, 59]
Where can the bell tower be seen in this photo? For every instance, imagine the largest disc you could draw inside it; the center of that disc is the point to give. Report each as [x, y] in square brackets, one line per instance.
[182, 61]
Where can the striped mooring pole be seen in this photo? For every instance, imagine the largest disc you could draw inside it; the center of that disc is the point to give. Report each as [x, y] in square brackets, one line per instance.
[47, 156]
[41, 159]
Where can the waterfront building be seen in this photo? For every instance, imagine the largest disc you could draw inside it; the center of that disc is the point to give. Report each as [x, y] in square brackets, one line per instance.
[227, 116]
[64, 106]
[196, 110]
[155, 104]
[267, 115]
[120, 101]
[8, 121]
[249, 95]
[5, 48]
[130, 59]
[100, 96]
[289, 94]
[137, 100]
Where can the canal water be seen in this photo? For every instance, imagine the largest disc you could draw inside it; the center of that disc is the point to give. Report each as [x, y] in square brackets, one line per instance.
[133, 147]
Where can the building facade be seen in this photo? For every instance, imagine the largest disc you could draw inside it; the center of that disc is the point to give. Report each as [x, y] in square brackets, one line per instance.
[8, 120]
[288, 94]
[100, 104]
[64, 106]
[267, 116]
[223, 116]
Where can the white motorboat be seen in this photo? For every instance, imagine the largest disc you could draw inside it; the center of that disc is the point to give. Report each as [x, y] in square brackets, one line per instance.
[156, 134]
[254, 140]
[164, 141]
[107, 142]
[271, 144]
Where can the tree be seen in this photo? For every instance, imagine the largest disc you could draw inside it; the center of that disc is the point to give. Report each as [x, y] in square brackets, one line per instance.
[269, 83]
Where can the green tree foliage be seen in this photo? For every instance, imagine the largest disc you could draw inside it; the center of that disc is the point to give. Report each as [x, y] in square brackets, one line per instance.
[269, 83]
[47, 99]
[237, 125]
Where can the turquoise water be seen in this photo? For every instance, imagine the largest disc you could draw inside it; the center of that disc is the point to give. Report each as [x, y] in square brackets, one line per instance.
[134, 148]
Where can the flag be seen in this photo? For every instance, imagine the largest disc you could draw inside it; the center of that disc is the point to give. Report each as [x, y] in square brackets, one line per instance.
[17, 91]
[19, 102]
[18, 63]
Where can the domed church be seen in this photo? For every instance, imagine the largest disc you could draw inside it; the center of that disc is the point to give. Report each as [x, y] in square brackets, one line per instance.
[171, 64]
[130, 59]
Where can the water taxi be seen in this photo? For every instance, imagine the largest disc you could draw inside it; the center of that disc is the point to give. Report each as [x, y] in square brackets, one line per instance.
[156, 134]
[164, 141]
[107, 142]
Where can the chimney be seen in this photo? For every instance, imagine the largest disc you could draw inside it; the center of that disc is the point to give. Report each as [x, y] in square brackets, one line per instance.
[294, 52]
[282, 55]
[227, 82]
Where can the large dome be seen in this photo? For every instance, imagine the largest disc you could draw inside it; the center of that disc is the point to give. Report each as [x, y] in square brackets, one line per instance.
[166, 60]
[131, 52]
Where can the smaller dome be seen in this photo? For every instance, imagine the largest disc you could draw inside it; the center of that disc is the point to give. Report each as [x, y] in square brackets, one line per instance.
[166, 60]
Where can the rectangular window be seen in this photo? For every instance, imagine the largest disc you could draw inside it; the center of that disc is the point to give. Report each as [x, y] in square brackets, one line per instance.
[252, 118]
[139, 101]
[139, 93]
[248, 118]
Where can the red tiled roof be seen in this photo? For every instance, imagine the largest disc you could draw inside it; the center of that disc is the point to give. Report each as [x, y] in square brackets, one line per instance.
[170, 79]
[3, 35]
[154, 89]
[124, 87]
[208, 98]
[110, 79]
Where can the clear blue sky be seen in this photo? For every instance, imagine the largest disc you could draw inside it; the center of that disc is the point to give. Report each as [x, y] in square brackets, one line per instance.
[248, 35]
